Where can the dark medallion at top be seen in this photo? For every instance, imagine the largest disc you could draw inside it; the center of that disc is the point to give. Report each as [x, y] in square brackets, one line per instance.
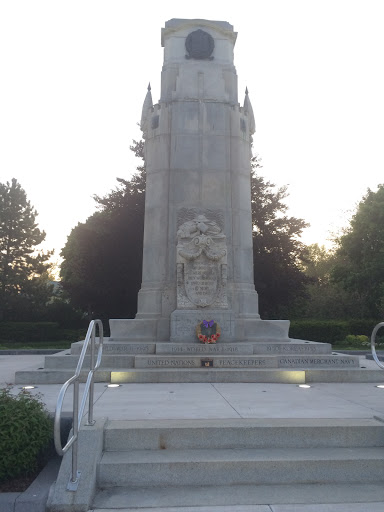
[199, 45]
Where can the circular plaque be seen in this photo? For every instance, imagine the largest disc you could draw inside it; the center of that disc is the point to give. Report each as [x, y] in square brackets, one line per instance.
[199, 45]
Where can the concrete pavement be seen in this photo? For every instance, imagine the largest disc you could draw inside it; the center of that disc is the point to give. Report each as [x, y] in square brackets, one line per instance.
[222, 400]
[214, 400]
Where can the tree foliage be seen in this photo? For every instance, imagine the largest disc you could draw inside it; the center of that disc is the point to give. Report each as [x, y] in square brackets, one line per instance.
[101, 270]
[326, 299]
[277, 250]
[102, 264]
[23, 272]
[360, 269]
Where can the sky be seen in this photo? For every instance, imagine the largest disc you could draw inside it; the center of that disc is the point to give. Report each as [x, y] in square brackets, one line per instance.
[74, 74]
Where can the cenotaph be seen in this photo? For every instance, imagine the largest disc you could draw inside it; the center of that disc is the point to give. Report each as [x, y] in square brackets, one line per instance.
[197, 257]
[197, 285]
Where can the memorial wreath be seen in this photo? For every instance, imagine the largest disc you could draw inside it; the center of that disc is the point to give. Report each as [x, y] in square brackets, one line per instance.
[208, 331]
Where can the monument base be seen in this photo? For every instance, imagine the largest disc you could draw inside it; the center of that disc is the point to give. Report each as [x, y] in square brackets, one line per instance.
[183, 327]
[285, 361]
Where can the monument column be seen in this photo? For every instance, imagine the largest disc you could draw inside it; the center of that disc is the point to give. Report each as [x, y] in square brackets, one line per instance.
[197, 257]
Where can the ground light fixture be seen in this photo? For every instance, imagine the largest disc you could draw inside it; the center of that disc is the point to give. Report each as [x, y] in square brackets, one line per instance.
[28, 387]
[113, 385]
[304, 386]
[381, 386]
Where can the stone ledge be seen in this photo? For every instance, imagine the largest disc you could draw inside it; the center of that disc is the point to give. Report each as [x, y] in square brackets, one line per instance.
[33, 499]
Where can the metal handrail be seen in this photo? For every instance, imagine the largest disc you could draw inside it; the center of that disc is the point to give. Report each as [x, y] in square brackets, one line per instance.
[373, 348]
[78, 412]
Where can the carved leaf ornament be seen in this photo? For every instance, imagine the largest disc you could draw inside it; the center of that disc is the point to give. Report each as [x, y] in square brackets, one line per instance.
[203, 244]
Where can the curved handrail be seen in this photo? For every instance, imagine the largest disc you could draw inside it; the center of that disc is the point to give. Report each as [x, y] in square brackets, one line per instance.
[373, 348]
[88, 393]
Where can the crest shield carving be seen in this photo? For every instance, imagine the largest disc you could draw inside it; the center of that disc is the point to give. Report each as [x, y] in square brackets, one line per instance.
[201, 264]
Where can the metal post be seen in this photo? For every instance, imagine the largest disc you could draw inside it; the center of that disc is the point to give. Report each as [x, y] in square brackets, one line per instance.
[74, 480]
[91, 421]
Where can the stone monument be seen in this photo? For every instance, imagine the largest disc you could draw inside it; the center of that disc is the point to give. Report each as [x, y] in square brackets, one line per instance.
[197, 258]
[198, 317]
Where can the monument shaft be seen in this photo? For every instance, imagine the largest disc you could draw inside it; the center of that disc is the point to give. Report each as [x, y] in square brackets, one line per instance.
[197, 256]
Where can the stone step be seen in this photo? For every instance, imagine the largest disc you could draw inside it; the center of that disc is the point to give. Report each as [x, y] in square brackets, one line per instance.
[251, 361]
[289, 347]
[133, 375]
[65, 360]
[119, 348]
[57, 376]
[243, 498]
[246, 375]
[242, 433]
[240, 466]
[68, 361]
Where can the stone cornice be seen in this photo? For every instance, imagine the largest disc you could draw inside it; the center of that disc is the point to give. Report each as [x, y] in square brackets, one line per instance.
[175, 25]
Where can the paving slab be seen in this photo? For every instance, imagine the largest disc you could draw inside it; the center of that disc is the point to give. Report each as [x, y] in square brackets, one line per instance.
[231, 400]
[329, 507]
[232, 508]
[276, 497]
[214, 400]
[10, 364]
[337, 507]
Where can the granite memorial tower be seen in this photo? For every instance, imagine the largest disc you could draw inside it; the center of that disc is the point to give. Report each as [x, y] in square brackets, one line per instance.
[197, 257]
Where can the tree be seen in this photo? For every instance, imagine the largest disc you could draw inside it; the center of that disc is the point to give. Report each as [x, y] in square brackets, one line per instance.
[361, 253]
[23, 286]
[326, 299]
[277, 250]
[101, 271]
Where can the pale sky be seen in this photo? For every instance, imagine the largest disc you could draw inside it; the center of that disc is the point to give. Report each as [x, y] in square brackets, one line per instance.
[74, 73]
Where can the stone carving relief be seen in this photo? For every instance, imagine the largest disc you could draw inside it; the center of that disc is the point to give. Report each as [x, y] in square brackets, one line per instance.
[201, 262]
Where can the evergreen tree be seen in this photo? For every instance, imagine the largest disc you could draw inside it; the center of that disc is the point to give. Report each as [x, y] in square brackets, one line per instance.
[22, 270]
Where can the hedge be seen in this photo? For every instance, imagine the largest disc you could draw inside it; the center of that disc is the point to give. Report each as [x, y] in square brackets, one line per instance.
[330, 331]
[27, 332]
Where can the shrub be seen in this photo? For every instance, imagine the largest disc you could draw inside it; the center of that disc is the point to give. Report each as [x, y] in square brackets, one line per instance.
[26, 430]
[31, 332]
[357, 340]
[362, 326]
[319, 330]
[28, 331]
[331, 331]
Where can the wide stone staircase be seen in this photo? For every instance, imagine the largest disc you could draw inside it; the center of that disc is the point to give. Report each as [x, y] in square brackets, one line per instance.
[289, 361]
[171, 464]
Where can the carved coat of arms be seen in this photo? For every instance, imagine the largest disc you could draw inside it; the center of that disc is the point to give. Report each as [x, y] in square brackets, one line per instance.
[201, 264]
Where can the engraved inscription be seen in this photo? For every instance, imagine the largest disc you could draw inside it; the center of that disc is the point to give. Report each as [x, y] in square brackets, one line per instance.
[291, 348]
[171, 362]
[201, 281]
[242, 362]
[204, 348]
[128, 349]
[316, 361]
